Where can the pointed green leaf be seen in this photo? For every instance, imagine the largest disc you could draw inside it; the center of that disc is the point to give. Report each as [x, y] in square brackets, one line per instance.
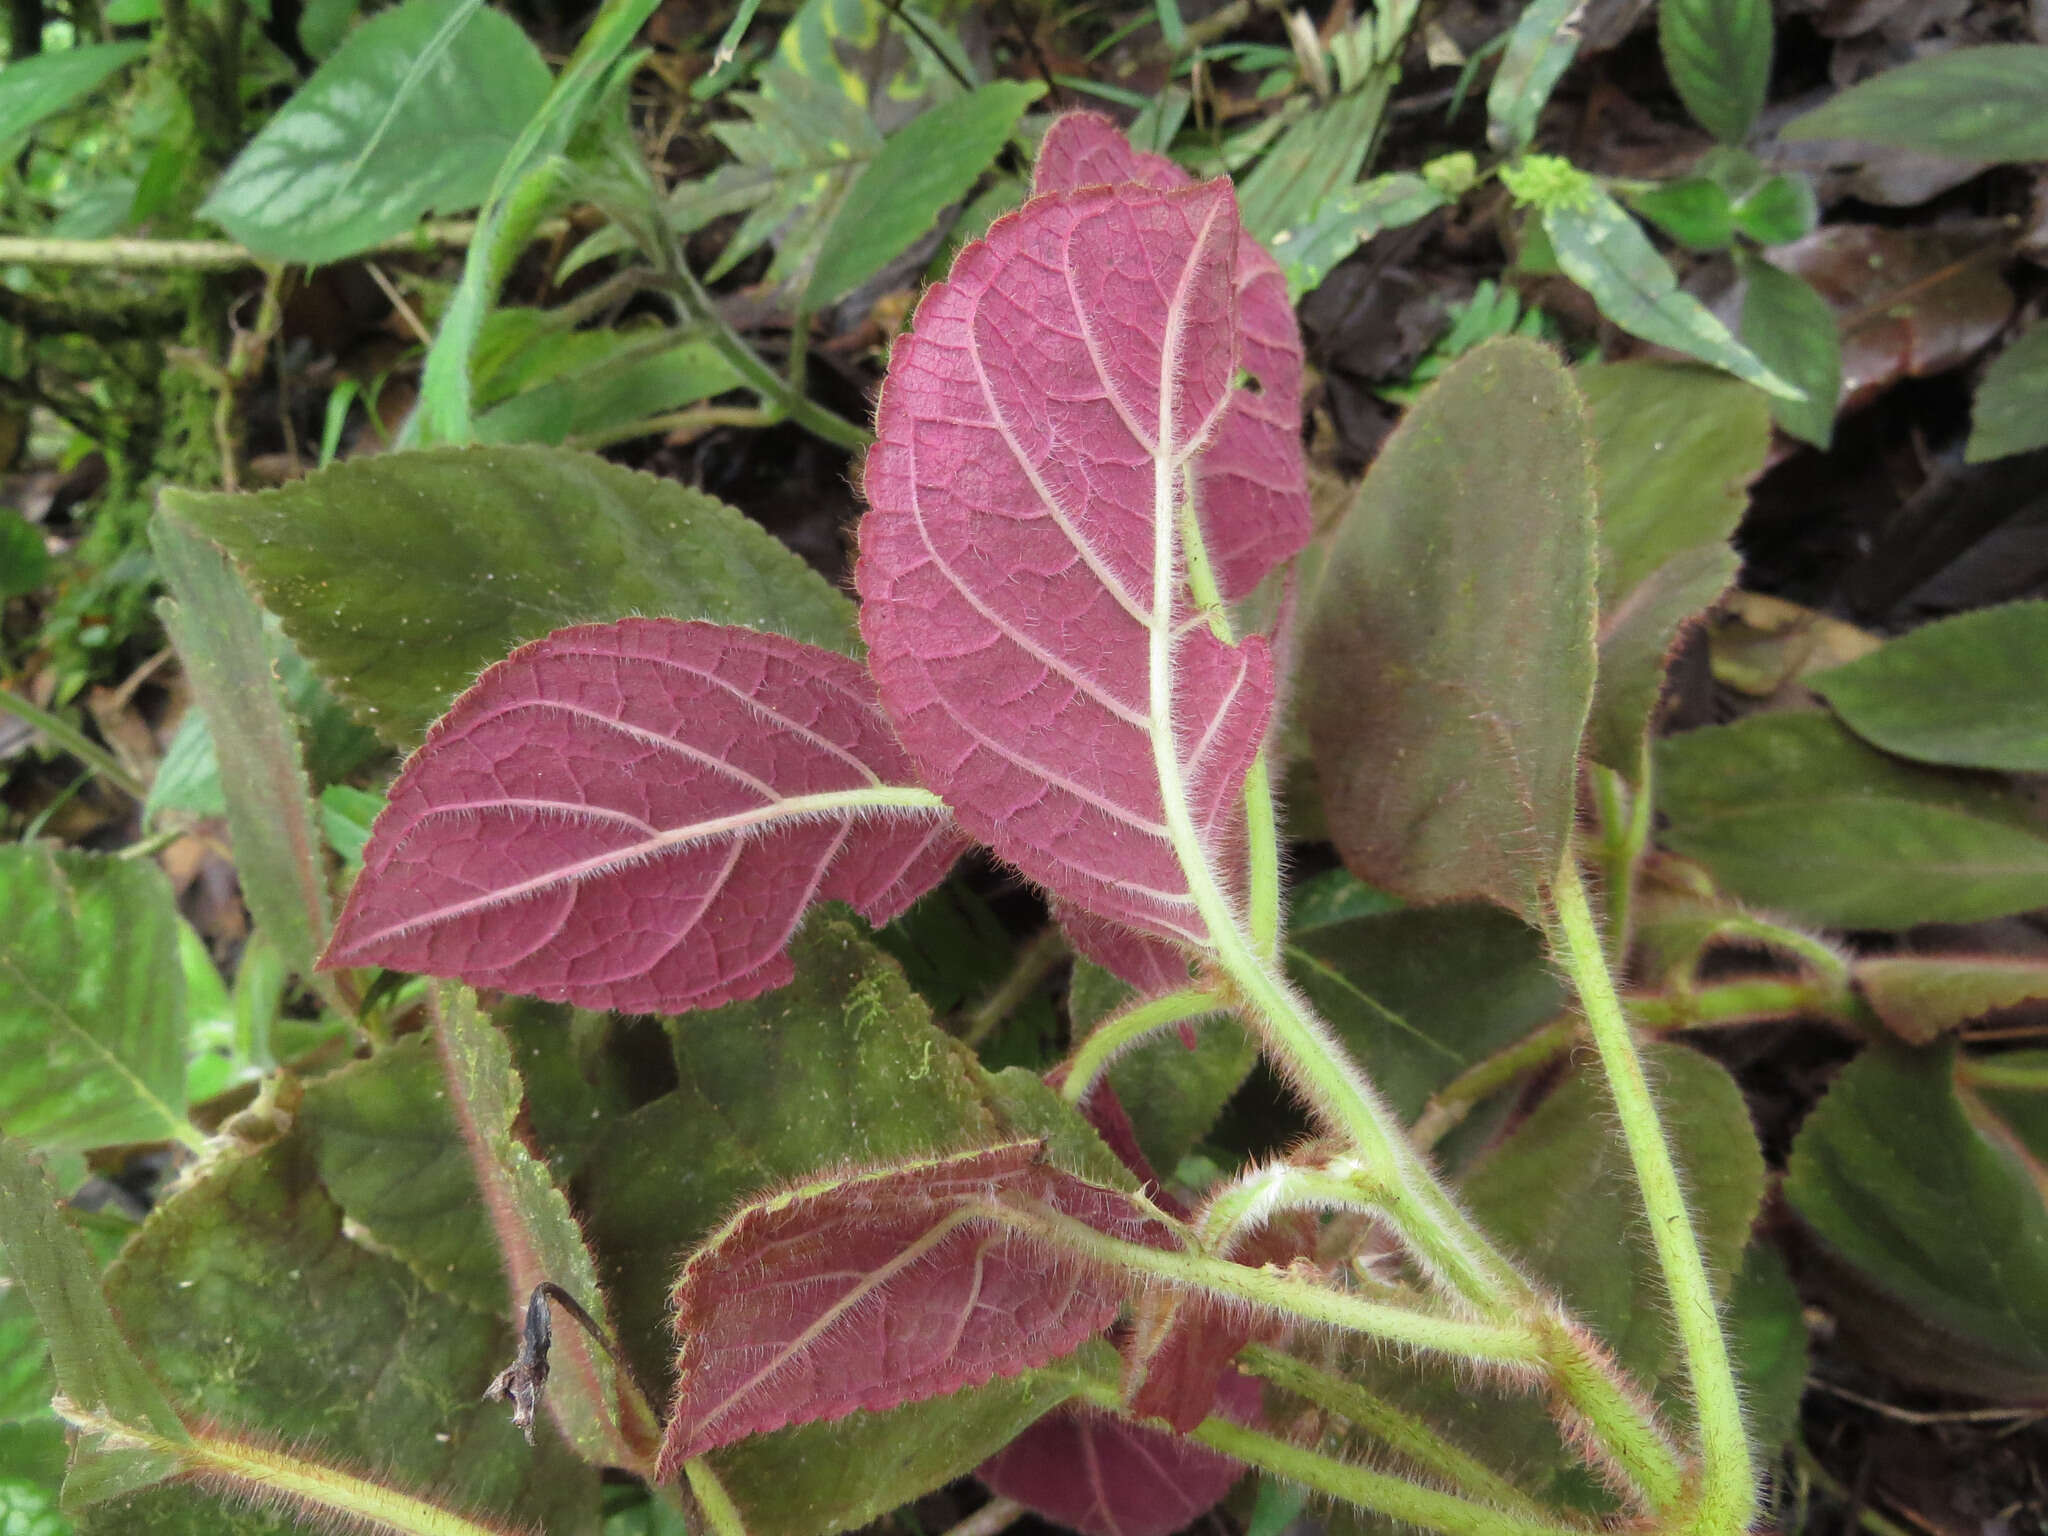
[2011, 411]
[1448, 660]
[218, 630]
[1966, 691]
[1921, 997]
[1696, 212]
[924, 167]
[44, 84]
[92, 1002]
[1937, 1220]
[411, 115]
[1540, 47]
[1316, 156]
[1787, 324]
[1675, 449]
[1345, 220]
[1988, 103]
[1719, 56]
[402, 576]
[1778, 209]
[1606, 253]
[1791, 812]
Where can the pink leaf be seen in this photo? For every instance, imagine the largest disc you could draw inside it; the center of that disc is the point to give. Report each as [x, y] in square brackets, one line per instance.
[1105, 1477]
[880, 1288]
[1153, 966]
[636, 815]
[1254, 485]
[1036, 438]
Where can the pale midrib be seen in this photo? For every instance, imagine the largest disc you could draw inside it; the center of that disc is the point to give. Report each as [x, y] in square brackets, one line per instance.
[179, 1128]
[874, 1281]
[793, 808]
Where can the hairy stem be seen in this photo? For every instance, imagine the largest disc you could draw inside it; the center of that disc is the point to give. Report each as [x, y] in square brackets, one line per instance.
[1046, 950]
[1118, 1033]
[1379, 1492]
[720, 1513]
[272, 1476]
[1727, 1494]
[1400, 1432]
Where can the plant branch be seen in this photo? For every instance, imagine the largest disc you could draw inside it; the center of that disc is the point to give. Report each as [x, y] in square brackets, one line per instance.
[128, 254]
[69, 738]
[1727, 1493]
[1046, 950]
[1400, 1432]
[271, 1476]
[1120, 1032]
[720, 1513]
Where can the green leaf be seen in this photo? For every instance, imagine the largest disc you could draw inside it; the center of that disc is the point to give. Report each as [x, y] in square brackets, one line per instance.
[924, 168]
[1922, 997]
[1675, 449]
[44, 84]
[1937, 1220]
[1787, 324]
[617, 393]
[1778, 210]
[24, 560]
[402, 576]
[1695, 212]
[2011, 410]
[1345, 220]
[1766, 1329]
[92, 1006]
[1448, 659]
[848, 1033]
[1965, 691]
[1719, 56]
[262, 1317]
[957, 952]
[1791, 812]
[1171, 1094]
[1315, 156]
[1987, 103]
[412, 115]
[1420, 995]
[1606, 253]
[90, 1359]
[218, 631]
[385, 1143]
[346, 816]
[1540, 48]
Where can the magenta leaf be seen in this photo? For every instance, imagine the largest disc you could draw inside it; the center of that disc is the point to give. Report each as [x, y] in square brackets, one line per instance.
[1020, 566]
[867, 1290]
[1152, 966]
[1253, 483]
[635, 816]
[1103, 1476]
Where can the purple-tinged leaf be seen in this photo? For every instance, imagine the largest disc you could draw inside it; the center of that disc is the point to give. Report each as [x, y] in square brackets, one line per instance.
[1036, 441]
[1103, 1476]
[1253, 484]
[635, 815]
[868, 1290]
[1151, 965]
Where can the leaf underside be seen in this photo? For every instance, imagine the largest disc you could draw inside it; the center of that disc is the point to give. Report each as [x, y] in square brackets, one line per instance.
[873, 1289]
[635, 816]
[1037, 434]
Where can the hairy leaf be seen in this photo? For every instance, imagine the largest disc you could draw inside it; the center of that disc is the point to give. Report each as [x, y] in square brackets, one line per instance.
[1988, 103]
[1105, 1476]
[1790, 811]
[1251, 483]
[1150, 966]
[1038, 437]
[411, 115]
[92, 1001]
[866, 1290]
[1921, 997]
[1936, 1219]
[1448, 663]
[464, 554]
[1965, 691]
[1719, 56]
[635, 815]
[2011, 411]
[218, 630]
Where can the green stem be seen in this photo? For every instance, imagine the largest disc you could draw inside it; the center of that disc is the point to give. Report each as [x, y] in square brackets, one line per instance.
[720, 1513]
[754, 370]
[266, 1475]
[1033, 964]
[1727, 1495]
[1379, 1492]
[1505, 1344]
[1118, 1033]
[70, 739]
[1747, 1001]
[2024, 1071]
[1452, 1102]
[128, 254]
[1624, 835]
[1401, 1432]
